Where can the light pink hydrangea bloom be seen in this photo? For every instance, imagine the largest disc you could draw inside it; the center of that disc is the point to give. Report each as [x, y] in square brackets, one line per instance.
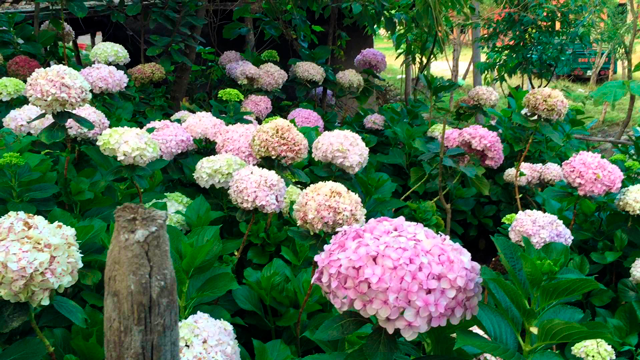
[343, 148]
[591, 174]
[374, 122]
[529, 174]
[328, 206]
[350, 80]
[404, 274]
[452, 138]
[229, 57]
[305, 117]
[540, 228]
[308, 72]
[256, 188]
[18, 120]
[105, 78]
[551, 173]
[243, 72]
[279, 139]
[57, 88]
[172, 138]
[203, 125]
[205, 338]
[547, 103]
[181, 115]
[259, 105]
[484, 96]
[95, 116]
[483, 143]
[36, 258]
[371, 59]
[236, 140]
[271, 77]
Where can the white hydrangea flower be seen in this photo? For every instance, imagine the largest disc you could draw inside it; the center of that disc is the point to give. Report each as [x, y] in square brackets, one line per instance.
[595, 349]
[217, 170]
[628, 200]
[635, 271]
[130, 145]
[110, 54]
[205, 338]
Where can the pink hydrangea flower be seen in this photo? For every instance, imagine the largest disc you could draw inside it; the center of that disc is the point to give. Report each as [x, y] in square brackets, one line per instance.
[205, 338]
[484, 96]
[404, 274]
[172, 138]
[203, 125]
[271, 77]
[327, 206]
[343, 148]
[21, 67]
[305, 117]
[279, 139]
[374, 122]
[243, 72]
[452, 138]
[308, 72]
[316, 95]
[236, 140]
[57, 88]
[256, 188]
[591, 174]
[371, 59]
[259, 105]
[95, 116]
[547, 103]
[483, 143]
[149, 73]
[19, 120]
[229, 57]
[105, 78]
[529, 174]
[540, 228]
[551, 173]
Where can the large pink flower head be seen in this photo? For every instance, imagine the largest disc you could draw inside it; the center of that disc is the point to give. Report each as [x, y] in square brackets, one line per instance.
[374, 122]
[406, 275]
[316, 95]
[21, 67]
[529, 174]
[172, 138]
[19, 120]
[547, 103]
[236, 140]
[271, 77]
[256, 188]
[105, 78]
[371, 59]
[57, 88]
[203, 125]
[484, 96]
[149, 73]
[205, 338]
[308, 72]
[551, 173]
[328, 206]
[36, 258]
[229, 57]
[540, 228]
[343, 148]
[95, 116]
[259, 105]
[483, 143]
[306, 117]
[451, 138]
[243, 72]
[279, 139]
[591, 174]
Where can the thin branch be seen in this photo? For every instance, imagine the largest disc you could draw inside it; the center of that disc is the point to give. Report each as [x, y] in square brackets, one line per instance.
[246, 234]
[526, 150]
[599, 139]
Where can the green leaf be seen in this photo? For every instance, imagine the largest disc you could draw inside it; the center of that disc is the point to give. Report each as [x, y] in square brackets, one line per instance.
[546, 355]
[561, 312]
[628, 291]
[53, 133]
[565, 289]
[217, 285]
[551, 332]
[601, 297]
[546, 129]
[154, 50]
[380, 345]
[78, 8]
[510, 256]
[134, 9]
[481, 184]
[611, 92]
[247, 299]
[340, 326]
[356, 8]
[26, 349]
[12, 315]
[332, 356]
[81, 121]
[199, 213]
[273, 350]
[483, 345]
[497, 326]
[605, 258]
[70, 309]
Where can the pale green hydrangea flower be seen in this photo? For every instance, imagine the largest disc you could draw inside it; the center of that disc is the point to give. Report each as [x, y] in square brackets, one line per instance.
[11, 88]
[217, 170]
[595, 349]
[270, 55]
[435, 131]
[11, 159]
[110, 54]
[230, 95]
[509, 219]
[290, 197]
[176, 206]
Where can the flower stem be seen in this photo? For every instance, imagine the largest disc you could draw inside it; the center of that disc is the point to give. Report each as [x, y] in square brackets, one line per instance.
[246, 234]
[139, 191]
[41, 336]
[575, 213]
[304, 304]
[526, 150]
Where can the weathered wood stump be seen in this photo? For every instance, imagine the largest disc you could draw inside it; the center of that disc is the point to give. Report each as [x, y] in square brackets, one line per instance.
[141, 300]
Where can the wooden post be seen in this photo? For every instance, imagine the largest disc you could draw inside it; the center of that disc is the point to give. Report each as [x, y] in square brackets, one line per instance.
[141, 299]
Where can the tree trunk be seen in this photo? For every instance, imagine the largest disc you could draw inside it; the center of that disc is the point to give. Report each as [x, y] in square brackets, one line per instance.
[250, 38]
[597, 65]
[623, 65]
[141, 299]
[632, 40]
[605, 106]
[408, 84]
[183, 71]
[476, 55]
[455, 58]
